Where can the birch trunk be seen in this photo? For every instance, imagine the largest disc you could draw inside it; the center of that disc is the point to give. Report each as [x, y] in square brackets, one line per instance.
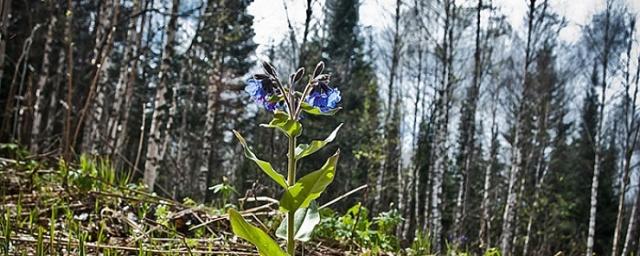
[158, 119]
[509, 211]
[39, 106]
[52, 111]
[92, 132]
[307, 21]
[5, 9]
[468, 139]
[377, 199]
[414, 178]
[634, 127]
[395, 58]
[441, 136]
[440, 166]
[66, 143]
[485, 218]
[97, 122]
[516, 153]
[427, 198]
[116, 131]
[633, 219]
[631, 138]
[598, 138]
[211, 123]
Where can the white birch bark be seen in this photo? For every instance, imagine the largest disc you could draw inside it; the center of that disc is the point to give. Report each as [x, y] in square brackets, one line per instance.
[485, 218]
[39, 106]
[597, 139]
[508, 222]
[160, 113]
[93, 128]
[630, 140]
[117, 134]
[213, 96]
[509, 211]
[632, 226]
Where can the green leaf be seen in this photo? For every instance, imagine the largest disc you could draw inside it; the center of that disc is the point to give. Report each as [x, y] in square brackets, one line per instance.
[307, 149]
[264, 165]
[310, 187]
[309, 109]
[281, 121]
[266, 246]
[305, 221]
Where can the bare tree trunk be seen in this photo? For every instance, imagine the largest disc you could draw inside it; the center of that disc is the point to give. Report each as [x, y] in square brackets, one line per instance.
[632, 226]
[129, 96]
[598, 138]
[303, 53]
[509, 212]
[66, 144]
[440, 166]
[117, 134]
[95, 129]
[534, 211]
[52, 111]
[633, 127]
[11, 114]
[166, 136]
[158, 121]
[39, 106]
[441, 136]
[182, 133]
[426, 224]
[205, 168]
[630, 140]
[414, 178]
[485, 218]
[395, 58]
[516, 155]
[468, 140]
[5, 9]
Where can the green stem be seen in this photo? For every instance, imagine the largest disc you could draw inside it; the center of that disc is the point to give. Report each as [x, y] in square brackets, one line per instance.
[291, 180]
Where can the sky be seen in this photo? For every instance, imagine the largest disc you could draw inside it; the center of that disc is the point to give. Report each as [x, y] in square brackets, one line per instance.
[270, 21]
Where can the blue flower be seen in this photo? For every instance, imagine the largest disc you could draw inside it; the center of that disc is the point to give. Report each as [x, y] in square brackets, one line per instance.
[263, 93]
[324, 97]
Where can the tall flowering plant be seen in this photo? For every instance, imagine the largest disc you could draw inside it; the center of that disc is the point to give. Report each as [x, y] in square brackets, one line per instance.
[298, 200]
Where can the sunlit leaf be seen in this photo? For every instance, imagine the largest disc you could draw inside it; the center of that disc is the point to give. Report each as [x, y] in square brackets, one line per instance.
[266, 246]
[305, 221]
[310, 187]
[281, 121]
[309, 109]
[264, 165]
[307, 149]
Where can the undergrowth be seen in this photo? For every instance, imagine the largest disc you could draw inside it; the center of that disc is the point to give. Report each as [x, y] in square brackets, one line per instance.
[89, 208]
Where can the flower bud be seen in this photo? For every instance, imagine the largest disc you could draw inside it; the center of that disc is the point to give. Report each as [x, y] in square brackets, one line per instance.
[269, 69]
[318, 70]
[298, 75]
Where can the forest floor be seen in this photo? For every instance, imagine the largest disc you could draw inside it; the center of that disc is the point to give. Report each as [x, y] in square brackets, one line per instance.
[86, 209]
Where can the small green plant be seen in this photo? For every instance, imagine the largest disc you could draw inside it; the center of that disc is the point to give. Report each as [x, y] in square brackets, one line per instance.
[421, 245]
[492, 252]
[5, 225]
[287, 105]
[225, 190]
[357, 227]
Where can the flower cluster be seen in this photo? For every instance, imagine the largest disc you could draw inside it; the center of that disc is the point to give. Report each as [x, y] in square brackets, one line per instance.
[324, 97]
[288, 106]
[262, 93]
[267, 90]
